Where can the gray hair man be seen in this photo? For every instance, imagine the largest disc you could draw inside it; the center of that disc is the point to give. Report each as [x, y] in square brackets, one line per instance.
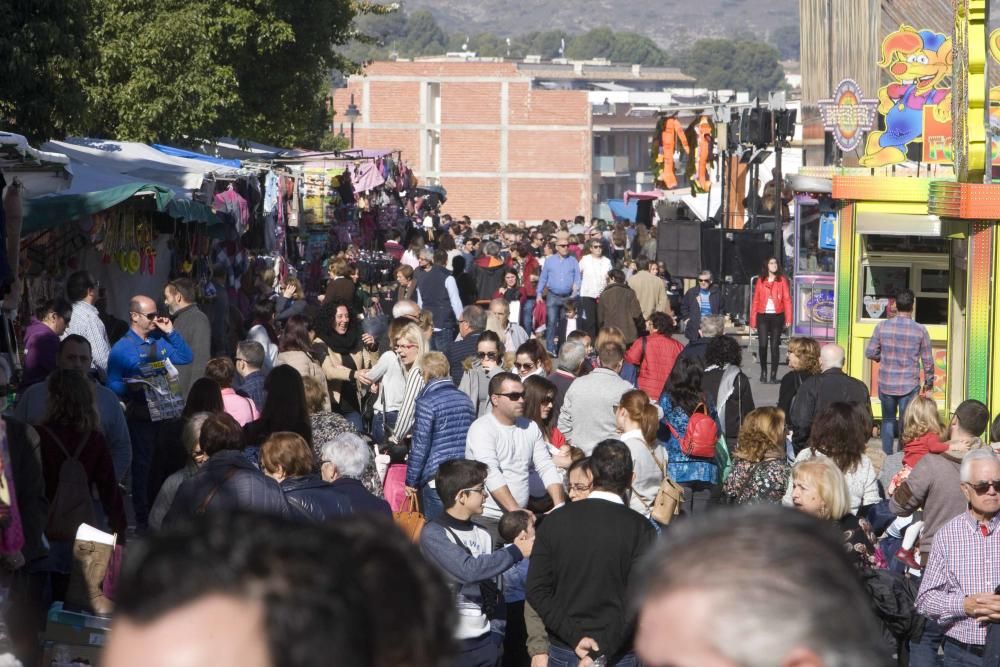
[956, 593]
[344, 460]
[471, 325]
[568, 364]
[498, 321]
[705, 296]
[706, 595]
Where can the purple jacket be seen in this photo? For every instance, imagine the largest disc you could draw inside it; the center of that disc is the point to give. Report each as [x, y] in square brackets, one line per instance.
[41, 351]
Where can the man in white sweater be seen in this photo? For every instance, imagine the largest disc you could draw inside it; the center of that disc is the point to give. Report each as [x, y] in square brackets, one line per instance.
[588, 409]
[510, 445]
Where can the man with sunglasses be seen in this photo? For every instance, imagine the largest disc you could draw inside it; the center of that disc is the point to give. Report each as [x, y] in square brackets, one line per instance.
[958, 590]
[150, 338]
[934, 484]
[511, 446]
[702, 300]
[559, 282]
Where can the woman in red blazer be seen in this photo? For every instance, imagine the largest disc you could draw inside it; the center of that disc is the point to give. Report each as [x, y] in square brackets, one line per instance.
[770, 313]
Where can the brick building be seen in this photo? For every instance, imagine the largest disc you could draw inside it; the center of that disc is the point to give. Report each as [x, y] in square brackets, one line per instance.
[508, 140]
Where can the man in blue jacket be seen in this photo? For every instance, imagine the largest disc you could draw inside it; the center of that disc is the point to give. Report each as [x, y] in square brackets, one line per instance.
[443, 417]
[150, 338]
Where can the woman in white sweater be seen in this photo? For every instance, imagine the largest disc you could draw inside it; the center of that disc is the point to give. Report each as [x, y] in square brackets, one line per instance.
[398, 373]
[638, 420]
[840, 432]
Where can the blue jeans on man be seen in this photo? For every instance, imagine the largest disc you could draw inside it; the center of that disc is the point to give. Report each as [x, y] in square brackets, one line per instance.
[564, 657]
[924, 653]
[890, 423]
[555, 307]
[143, 434]
[430, 502]
[528, 316]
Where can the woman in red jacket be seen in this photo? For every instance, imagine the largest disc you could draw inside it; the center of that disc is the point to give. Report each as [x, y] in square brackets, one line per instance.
[770, 313]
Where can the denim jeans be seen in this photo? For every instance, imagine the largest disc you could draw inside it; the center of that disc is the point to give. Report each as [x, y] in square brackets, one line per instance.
[924, 653]
[562, 657]
[379, 423]
[890, 405]
[442, 339]
[430, 503]
[143, 434]
[527, 316]
[554, 309]
[956, 656]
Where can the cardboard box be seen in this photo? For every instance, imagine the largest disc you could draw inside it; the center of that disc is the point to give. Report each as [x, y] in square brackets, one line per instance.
[74, 628]
[68, 655]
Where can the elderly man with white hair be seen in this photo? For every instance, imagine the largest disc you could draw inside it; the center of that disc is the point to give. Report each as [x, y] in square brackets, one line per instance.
[832, 385]
[958, 589]
[343, 463]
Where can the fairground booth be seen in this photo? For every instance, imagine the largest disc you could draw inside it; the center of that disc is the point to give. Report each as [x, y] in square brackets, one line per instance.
[907, 199]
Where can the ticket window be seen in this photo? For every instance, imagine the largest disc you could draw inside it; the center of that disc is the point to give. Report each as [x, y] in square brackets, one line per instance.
[922, 267]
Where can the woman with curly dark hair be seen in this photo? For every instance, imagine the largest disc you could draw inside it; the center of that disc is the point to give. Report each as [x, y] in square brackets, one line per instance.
[727, 386]
[760, 470]
[840, 433]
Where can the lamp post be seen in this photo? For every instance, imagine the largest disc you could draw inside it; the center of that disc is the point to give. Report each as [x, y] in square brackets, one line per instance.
[352, 114]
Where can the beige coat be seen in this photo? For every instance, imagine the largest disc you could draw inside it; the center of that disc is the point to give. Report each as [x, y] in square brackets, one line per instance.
[307, 366]
[651, 292]
[337, 373]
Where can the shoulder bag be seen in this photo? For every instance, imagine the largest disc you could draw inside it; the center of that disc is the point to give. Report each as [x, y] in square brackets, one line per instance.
[667, 503]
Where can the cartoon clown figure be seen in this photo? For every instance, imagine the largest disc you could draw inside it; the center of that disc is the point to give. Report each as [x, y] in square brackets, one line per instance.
[918, 61]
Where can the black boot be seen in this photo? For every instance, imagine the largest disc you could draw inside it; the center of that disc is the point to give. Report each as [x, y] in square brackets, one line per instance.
[763, 375]
[774, 377]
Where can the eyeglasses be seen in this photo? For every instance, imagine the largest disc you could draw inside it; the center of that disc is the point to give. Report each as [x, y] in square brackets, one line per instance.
[487, 355]
[405, 346]
[475, 489]
[562, 245]
[983, 487]
[524, 367]
[148, 316]
[581, 487]
[548, 400]
[514, 396]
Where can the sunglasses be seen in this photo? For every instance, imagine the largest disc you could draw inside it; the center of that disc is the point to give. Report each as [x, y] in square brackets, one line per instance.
[487, 355]
[548, 400]
[983, 487]
[514, 395]
[524, 367]
[562, 245]
[148, 316]
[702, 280]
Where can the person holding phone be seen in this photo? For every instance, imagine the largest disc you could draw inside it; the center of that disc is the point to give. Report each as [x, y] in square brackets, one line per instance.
[151, 337]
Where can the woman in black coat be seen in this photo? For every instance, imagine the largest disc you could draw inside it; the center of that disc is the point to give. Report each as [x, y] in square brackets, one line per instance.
[723, 372]
[287, 459]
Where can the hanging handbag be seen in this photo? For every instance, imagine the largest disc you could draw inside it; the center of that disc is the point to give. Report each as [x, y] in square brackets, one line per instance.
[409, 519]
[667, 503]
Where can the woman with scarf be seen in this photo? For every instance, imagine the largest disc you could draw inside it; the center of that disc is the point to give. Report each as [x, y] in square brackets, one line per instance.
[345, 350]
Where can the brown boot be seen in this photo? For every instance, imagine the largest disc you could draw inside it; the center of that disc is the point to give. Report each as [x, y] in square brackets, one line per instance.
[90, 564]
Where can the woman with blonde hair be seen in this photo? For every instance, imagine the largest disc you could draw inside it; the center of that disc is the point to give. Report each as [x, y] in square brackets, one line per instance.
[638, 421]
[760, 469]
[819, 488]
[291, 300]
[410, 345]
[803, 363]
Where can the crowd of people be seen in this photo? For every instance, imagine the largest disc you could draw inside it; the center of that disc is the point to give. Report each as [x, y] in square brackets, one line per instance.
[530, 398]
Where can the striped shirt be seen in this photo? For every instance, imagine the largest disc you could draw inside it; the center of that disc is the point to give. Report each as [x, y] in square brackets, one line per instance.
[963, 562]
[86, 322]
[901, 346]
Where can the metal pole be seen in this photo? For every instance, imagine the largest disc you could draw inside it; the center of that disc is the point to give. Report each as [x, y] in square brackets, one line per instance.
[352, 133]
[779, 217]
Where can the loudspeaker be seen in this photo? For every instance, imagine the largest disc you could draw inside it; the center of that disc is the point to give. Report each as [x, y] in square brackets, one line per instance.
[644, 213]
[761, 128]
[743, 253]
[678, 245]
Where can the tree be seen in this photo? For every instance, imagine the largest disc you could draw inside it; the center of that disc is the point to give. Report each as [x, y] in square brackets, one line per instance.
[424, 36]
[619, 47]
[738, 65]
[786, 40]
[182, 70]
[43, 51]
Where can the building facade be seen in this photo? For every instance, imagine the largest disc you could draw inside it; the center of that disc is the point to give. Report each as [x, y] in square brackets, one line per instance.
[509, 141]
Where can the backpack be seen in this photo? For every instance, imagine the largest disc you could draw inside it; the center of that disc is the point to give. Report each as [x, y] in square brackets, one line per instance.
[701, 435]
[72, 503]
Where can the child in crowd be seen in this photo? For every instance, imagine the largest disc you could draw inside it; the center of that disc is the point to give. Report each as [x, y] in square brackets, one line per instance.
[567, 325]
[464, 552]
[519, 524]
[394, 485]
[922, 433]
